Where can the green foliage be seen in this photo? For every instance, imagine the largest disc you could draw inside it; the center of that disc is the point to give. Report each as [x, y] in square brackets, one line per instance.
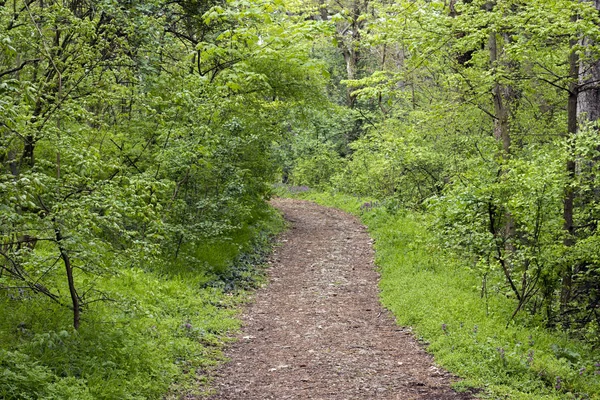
[471, 214]
[139, 141]
[156, 331]
[23, 378]
[393, 161]
[122, 157]
[318, 169]
[137, 148]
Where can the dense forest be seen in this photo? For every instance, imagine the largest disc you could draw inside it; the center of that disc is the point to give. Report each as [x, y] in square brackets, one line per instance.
[141, 140]
[484, 115]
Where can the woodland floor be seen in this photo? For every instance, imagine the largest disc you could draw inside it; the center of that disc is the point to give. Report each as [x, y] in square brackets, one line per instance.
[317, 330]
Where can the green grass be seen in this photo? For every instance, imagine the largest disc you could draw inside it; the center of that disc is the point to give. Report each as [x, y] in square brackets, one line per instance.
[430, 290]
[159, 330]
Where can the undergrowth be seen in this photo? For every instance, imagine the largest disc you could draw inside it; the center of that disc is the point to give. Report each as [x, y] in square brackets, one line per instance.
[158, 328]
[431, 290]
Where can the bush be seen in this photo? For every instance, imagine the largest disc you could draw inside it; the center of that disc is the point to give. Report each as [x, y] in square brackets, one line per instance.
[317, 170]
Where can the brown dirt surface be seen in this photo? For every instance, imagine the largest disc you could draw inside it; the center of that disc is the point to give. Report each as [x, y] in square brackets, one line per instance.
[318, 331]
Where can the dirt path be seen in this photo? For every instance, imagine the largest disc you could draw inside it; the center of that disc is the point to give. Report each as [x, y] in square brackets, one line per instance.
[317, 331]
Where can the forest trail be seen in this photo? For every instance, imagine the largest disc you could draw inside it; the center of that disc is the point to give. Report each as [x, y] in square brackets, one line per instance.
[317, 331]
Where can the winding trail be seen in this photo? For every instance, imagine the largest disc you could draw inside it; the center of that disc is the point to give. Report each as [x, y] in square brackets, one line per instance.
[317, 331]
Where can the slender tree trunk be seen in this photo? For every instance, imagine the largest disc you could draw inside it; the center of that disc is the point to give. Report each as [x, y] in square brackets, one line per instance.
[349, 43]
[503, 96]
[323, 13]
[28, 151]
[569, 200]
[76, 306]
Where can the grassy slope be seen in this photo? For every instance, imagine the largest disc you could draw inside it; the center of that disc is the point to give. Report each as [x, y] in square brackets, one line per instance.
[161, 326]
[434, 293]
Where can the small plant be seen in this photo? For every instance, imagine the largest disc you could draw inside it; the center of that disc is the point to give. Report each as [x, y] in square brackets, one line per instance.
[368, 206]
[502, 354]
[530, 358]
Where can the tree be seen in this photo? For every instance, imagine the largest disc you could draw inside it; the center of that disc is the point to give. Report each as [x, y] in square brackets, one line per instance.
[111, 148]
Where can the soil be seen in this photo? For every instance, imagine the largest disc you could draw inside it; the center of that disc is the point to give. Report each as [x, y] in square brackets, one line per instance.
[318, 331]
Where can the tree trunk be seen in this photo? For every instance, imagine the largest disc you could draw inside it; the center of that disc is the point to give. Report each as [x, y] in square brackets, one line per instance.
[76, 306]
[503, 96]
[588, 101]
[351, 59]
[348, 42]
[583, 106]
[569, 200]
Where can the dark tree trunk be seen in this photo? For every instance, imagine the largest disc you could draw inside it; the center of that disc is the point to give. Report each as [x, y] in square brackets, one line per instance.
[76, 306]
[569, 200]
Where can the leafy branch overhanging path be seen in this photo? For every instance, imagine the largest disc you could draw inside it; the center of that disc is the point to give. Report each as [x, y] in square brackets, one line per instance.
[317, 331]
